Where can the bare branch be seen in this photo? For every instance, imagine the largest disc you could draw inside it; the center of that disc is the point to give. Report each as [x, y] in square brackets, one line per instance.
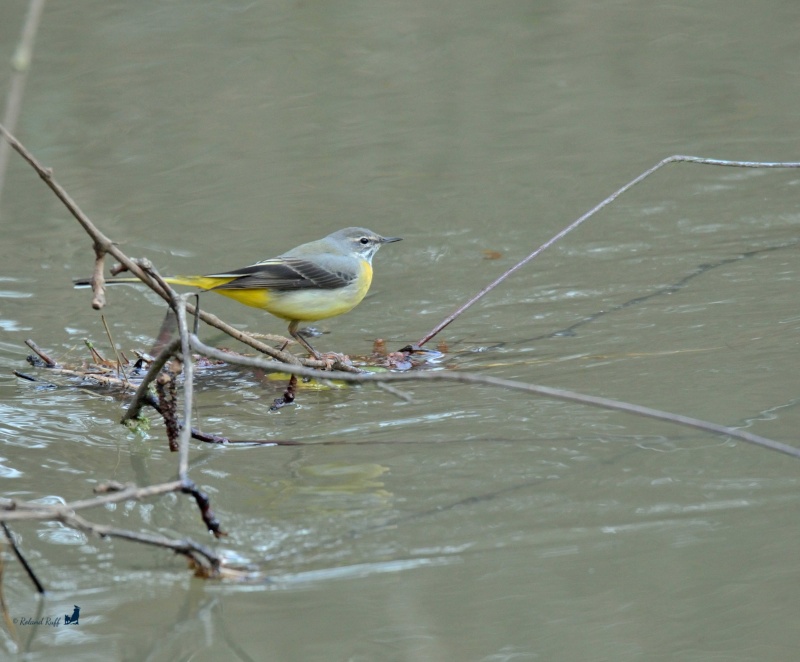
[143, 391]
[467, 378]
[11, 510]
[40, 353]
[203, 557]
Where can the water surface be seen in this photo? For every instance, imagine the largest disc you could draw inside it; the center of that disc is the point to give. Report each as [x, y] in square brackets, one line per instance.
[470, 524]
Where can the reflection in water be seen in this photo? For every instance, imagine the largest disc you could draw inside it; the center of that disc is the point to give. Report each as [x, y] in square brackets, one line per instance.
[330, 488]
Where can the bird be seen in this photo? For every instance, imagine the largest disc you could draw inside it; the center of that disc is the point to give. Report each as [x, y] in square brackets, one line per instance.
[311, 282]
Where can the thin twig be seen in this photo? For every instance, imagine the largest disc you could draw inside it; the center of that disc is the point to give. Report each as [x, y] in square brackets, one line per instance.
[31, 378]
[397, 393]
[18, 553]
[677, 158]
[142, 394]
[12, 510]
[101, 378]
[98, 279]
[46, 175]
[120, 367]
[40, 353]
[204, 504]
[188, 388]
[21, 62]
[202, 556]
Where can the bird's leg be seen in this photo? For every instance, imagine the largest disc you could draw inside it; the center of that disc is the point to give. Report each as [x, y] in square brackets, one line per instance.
[293, 332]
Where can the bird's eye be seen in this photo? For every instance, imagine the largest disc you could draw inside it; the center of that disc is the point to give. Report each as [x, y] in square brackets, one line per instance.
[364, 240]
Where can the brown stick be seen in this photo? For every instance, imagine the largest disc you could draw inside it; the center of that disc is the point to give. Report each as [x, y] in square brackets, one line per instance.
[98, 278]
[167, 392]
[40, 353]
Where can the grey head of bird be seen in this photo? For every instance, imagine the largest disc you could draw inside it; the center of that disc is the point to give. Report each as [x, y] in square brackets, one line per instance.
[356, 242]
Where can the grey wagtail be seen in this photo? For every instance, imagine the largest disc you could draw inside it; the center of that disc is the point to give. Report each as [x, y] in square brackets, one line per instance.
[313, 281]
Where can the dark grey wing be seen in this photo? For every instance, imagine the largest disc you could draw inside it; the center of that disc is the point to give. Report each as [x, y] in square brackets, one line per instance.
[285, 274]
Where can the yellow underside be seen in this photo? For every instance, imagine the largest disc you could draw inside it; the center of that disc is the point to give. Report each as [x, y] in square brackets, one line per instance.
[302, 305]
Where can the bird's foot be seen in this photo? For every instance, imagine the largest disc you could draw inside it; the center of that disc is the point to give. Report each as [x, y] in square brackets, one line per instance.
[330, 359]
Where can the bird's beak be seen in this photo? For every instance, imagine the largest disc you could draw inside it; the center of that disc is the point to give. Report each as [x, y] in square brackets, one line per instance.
[389, 240]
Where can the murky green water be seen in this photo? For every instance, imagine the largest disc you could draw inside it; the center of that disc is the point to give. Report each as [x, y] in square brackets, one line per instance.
[471, 524]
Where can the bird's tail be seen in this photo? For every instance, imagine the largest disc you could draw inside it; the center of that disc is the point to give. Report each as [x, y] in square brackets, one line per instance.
[203, 282]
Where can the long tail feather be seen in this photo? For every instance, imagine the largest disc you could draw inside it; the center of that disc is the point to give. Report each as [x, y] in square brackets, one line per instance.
[203, 282]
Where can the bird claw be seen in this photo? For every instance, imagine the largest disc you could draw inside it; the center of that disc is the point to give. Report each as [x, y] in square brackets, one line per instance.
[330, 359]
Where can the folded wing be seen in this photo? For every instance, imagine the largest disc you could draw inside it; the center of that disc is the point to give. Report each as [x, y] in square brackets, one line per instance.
[283, 275]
